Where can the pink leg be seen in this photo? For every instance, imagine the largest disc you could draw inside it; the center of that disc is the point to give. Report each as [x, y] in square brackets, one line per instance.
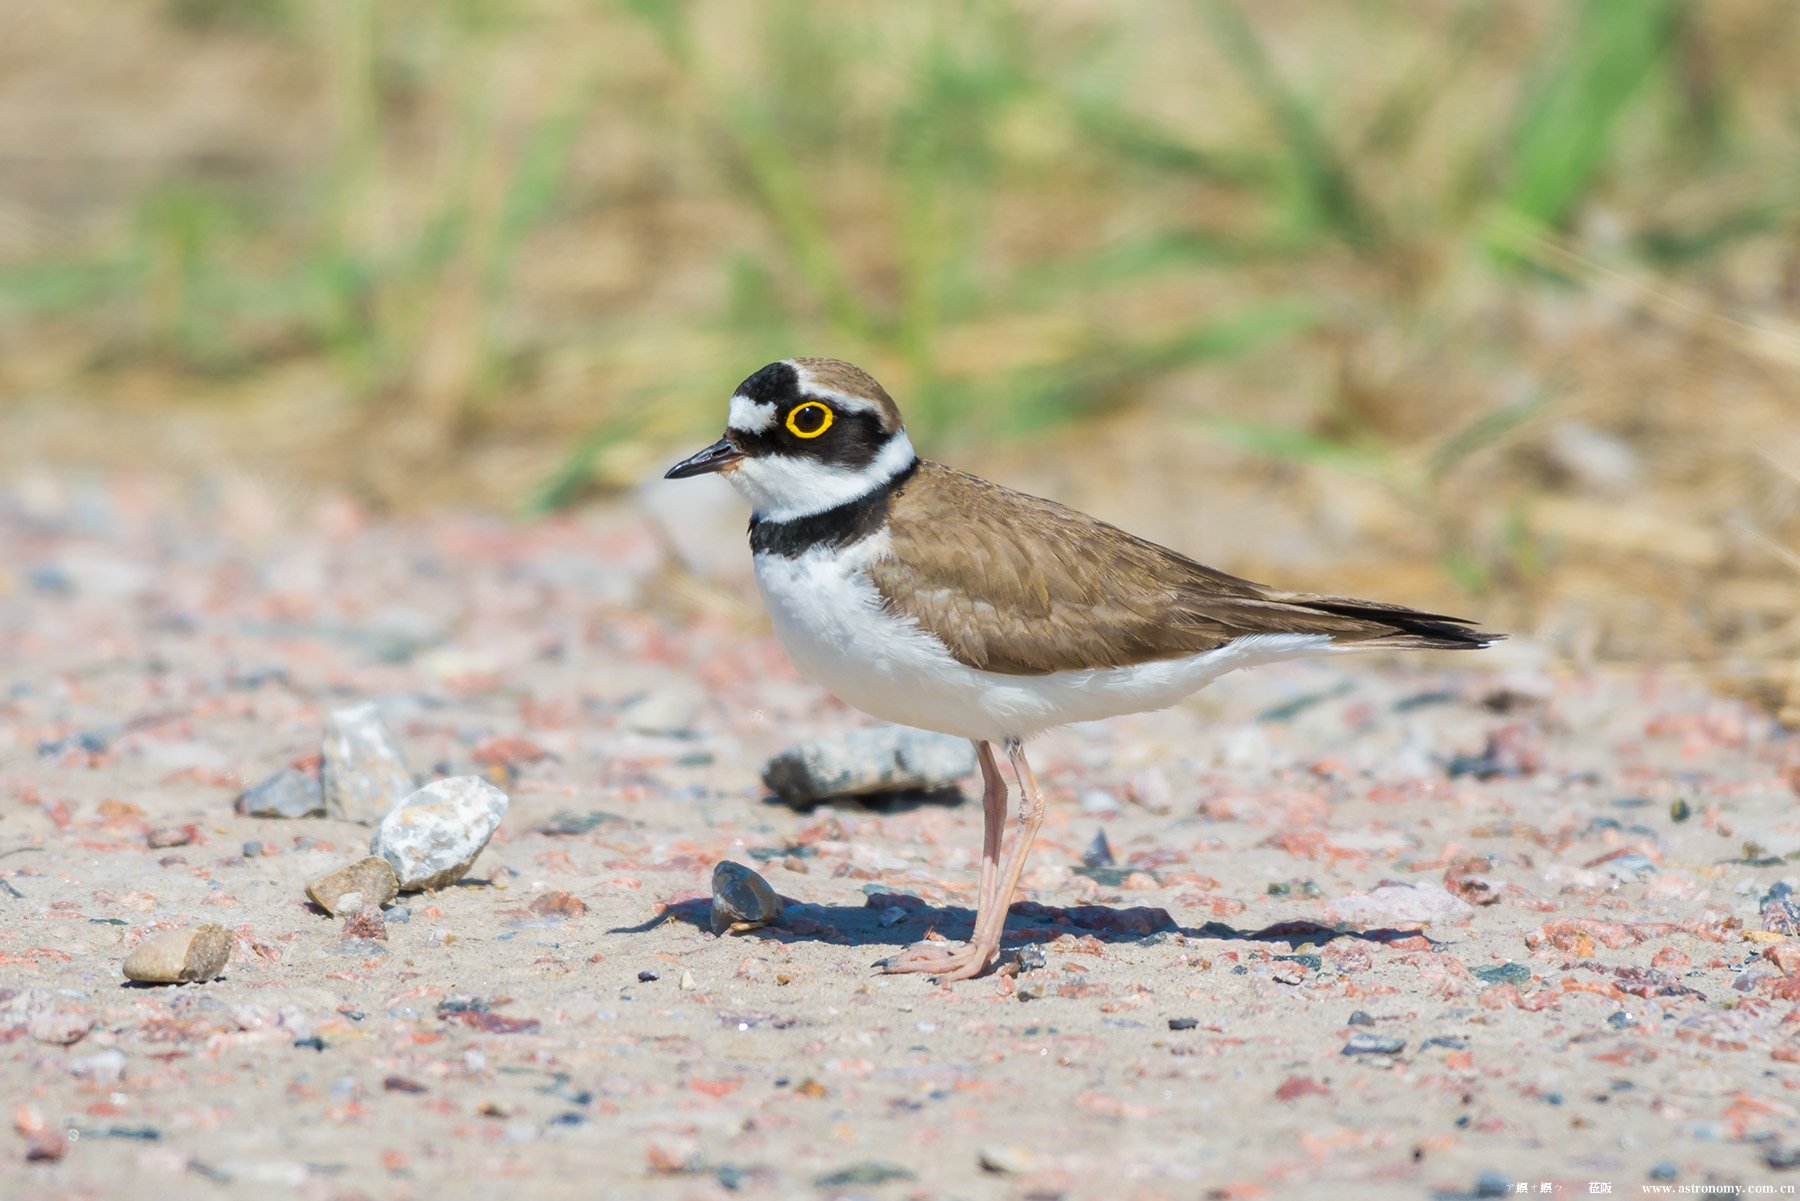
[937, 957]
[992, 920]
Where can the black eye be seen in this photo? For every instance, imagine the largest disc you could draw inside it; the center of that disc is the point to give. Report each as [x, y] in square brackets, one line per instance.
[809, 420]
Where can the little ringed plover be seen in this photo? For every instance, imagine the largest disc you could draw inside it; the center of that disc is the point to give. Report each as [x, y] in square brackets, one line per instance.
[931, 598]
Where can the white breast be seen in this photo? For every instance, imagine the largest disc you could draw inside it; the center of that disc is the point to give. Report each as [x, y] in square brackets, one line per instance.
[830, 619]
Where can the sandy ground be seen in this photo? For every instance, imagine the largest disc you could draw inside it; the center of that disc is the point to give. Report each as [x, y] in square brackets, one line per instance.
[1598, 997]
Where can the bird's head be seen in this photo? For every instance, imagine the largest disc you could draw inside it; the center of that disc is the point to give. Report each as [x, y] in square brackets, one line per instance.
[804, 436]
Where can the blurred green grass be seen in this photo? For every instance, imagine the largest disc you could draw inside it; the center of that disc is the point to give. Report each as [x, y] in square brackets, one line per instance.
[1385, 240]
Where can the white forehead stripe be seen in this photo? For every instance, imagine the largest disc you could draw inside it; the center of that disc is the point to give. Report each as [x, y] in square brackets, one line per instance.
[750, 416]
[843, 400]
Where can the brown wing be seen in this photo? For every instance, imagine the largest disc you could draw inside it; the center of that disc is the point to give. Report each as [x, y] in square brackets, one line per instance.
[1015, 584]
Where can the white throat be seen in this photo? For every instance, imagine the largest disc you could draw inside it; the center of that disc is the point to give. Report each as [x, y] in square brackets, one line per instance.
[785, 487]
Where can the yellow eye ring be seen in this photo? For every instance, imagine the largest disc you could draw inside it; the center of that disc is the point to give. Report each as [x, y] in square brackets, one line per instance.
[793, 419]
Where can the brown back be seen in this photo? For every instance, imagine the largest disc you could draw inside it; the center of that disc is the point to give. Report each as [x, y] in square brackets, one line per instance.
[1023, 586]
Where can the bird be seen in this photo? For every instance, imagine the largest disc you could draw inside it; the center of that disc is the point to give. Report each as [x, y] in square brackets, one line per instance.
[928, 597]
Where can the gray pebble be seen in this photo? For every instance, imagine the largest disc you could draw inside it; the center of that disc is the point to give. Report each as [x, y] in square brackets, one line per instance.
[1373, 1044]
[1502, 973]
[861, 762]
[290, 792]
[1628, 867]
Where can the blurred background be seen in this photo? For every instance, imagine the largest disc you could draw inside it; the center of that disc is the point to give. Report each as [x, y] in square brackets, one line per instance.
[1491, 306]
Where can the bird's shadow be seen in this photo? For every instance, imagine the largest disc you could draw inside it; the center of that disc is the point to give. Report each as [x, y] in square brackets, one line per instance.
[899, 919]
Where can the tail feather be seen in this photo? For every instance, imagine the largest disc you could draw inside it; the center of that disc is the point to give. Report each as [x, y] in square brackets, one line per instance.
[1383, 625]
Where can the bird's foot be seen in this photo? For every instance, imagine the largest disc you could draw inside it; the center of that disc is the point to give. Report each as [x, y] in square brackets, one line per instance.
[940, 959]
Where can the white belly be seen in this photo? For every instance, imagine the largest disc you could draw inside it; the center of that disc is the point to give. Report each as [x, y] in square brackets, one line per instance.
[830, 619]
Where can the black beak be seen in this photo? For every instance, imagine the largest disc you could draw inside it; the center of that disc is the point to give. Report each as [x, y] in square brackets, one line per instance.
[717, 457]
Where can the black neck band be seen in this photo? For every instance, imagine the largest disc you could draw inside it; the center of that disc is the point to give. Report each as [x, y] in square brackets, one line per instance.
[849, 522]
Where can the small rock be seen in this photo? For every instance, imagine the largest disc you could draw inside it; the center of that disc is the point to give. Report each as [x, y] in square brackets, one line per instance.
[1780, 912]
[1626, 868]
[163, 837]
[372, 880]
[1360, 1017]
[1373, 1044]
[1151, 791]
[1782, 1159]
[1784, 955]
[1097, 802]
[666, 710]
[1287, 973]
[180, 956]
[365, 921]
[1502, 973]
[102, 1067]
[688, 983]
[1518, 692]
[883, 759]
[1183, 1023]
[44, 1141]
[434, 836]
[741, 899]
[873, 1172]
[893, 915]
[647, 977]
[1412, 904]
[558, 904]
[1295, 1087]
[1515, 749]
[1028, 958]
[1006, 1159]
[1490, 1184]
[566, 822]
[1099, 852]
[290, 792]
[59, 1021]
[364, 774]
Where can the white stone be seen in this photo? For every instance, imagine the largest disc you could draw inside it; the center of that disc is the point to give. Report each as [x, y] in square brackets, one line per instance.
[1097, 802]
[102, 1067]
[433, 836]
[364, 773]
[1408, 904]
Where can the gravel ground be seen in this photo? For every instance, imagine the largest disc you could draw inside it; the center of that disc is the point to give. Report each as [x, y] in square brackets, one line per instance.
[1427, 928]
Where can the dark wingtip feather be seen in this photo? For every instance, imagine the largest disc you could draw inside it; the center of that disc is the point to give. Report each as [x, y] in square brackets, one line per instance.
[1406, 629]
[1437, 636]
